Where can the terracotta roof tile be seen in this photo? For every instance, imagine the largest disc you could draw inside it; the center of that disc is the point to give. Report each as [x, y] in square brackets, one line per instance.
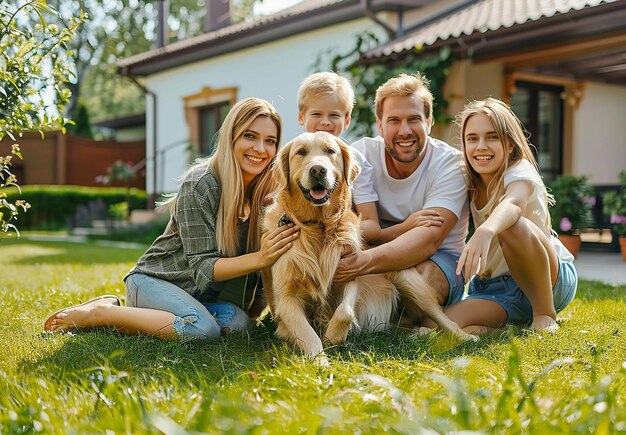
[480, 17]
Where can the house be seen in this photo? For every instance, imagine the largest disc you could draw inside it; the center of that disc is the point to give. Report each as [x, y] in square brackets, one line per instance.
[124, 129]
[191, 84]
[562, 67]
[560, 64]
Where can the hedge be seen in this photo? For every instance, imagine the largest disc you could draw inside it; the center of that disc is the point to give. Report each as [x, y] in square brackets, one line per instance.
[53, 206]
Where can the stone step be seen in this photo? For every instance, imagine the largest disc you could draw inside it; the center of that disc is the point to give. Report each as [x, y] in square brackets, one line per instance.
[102, 223]
[87, 231]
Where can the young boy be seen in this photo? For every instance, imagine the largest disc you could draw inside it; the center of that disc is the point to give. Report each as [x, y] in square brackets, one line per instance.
[325, 102]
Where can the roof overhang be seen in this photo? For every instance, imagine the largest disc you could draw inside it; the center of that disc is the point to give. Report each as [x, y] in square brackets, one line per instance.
[236, 37]
[123, 122]
[584, 44]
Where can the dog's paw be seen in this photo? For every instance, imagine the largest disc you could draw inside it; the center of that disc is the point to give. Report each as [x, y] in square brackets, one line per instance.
[321, 360]
[423, 330]
[333, 340]
[470, 337]
[339, 326]
[335, 336]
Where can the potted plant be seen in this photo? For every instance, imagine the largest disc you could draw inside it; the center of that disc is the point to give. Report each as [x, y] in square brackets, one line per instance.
[615, 207]
[574, 198]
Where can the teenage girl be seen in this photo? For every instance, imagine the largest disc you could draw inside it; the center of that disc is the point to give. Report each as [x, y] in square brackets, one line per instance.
[523, 274]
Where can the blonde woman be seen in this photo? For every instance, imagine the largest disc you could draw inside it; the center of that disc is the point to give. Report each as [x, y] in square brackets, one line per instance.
[523, 274]
[199, 277]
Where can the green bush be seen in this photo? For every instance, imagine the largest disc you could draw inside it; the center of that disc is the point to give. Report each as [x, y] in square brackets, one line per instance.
[53, 206]
[574, 200]
[137, 233]
[615, 206]
[119, 211]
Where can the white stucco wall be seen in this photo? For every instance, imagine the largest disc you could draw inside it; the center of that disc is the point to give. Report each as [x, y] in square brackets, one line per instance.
[600, 133]
[271, 71]
[485, 80]
[466, 82]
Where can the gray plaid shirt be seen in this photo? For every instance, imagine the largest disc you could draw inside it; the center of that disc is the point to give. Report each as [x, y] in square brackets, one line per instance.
[186, 252]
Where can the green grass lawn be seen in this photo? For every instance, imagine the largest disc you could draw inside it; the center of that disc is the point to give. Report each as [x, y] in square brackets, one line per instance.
[100, 381]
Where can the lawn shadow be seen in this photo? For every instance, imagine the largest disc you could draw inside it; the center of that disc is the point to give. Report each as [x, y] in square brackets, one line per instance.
[404, 344]
[32, 253]
[257, 350]
[101, 350]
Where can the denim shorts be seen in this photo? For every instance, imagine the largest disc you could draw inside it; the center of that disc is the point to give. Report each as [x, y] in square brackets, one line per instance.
[505, 291]
[193, 319]
[447, 261]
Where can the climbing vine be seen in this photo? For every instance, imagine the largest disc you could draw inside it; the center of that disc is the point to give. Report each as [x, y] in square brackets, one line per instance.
[366, 77]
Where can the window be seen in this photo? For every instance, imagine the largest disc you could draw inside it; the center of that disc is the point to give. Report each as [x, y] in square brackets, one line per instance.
[540, 108]
[211, 119]
[205, 112]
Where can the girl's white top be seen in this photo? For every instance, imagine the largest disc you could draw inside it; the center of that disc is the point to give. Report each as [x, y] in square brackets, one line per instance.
[536, 211]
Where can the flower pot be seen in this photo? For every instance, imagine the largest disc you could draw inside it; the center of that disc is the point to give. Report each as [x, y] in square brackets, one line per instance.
[572, 242]
[622, 245]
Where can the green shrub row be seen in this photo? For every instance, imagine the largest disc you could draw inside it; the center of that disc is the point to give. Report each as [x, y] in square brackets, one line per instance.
[138, 233]
[53, 206]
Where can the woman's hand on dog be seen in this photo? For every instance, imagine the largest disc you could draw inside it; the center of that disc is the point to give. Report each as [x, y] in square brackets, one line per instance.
[276, 242]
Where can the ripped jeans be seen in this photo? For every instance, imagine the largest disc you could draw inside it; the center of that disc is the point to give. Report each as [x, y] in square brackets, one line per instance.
[193, 319]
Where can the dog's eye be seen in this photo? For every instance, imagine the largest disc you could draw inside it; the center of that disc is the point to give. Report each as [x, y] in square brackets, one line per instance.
[331, 151]
[301, 152]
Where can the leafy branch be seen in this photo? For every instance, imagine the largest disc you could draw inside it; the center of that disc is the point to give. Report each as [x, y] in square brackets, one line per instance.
[32, 64]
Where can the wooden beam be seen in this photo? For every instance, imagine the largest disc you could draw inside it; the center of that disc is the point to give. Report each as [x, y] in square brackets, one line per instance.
[563, 51]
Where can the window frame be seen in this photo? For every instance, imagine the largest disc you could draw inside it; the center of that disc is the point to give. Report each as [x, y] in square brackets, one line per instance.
[194, 105]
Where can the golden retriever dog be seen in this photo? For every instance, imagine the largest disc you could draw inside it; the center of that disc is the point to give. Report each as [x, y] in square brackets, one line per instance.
[315, 172]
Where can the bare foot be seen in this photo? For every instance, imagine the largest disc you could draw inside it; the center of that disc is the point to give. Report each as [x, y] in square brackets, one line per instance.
[543, 322]
[78, 316]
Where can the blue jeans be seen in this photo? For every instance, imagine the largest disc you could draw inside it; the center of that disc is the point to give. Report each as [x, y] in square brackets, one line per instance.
[505, 291]
[193, 319]
[447, 261]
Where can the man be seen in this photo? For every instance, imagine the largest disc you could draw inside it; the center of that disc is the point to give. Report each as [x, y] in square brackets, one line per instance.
[411, 194]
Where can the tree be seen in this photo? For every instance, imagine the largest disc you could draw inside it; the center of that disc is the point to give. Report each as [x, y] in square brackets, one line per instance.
[114, 29]
[82, 125]
[121, 28]
[34, 65]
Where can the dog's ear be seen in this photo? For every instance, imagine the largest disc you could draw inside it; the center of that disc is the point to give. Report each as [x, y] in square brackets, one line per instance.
[351, 169]
[280, 168]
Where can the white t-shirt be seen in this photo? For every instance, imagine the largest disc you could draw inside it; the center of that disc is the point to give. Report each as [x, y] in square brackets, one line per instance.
[439, 181]
[536, 211]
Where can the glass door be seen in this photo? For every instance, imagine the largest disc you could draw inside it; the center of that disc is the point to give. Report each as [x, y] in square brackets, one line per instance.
[540, 109]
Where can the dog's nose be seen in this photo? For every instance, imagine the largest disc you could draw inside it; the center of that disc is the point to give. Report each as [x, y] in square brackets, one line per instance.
[317, 171]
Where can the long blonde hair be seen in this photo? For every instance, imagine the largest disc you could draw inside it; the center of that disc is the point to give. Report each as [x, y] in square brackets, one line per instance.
[511, 133]
[235, 204]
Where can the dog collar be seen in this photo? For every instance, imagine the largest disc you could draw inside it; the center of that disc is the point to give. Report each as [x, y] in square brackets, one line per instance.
[284, 220]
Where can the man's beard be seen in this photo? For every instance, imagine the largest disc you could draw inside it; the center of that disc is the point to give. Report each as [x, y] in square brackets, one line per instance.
[403, 157]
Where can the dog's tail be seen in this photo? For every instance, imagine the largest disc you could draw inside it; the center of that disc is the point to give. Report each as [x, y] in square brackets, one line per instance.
[377, 302]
